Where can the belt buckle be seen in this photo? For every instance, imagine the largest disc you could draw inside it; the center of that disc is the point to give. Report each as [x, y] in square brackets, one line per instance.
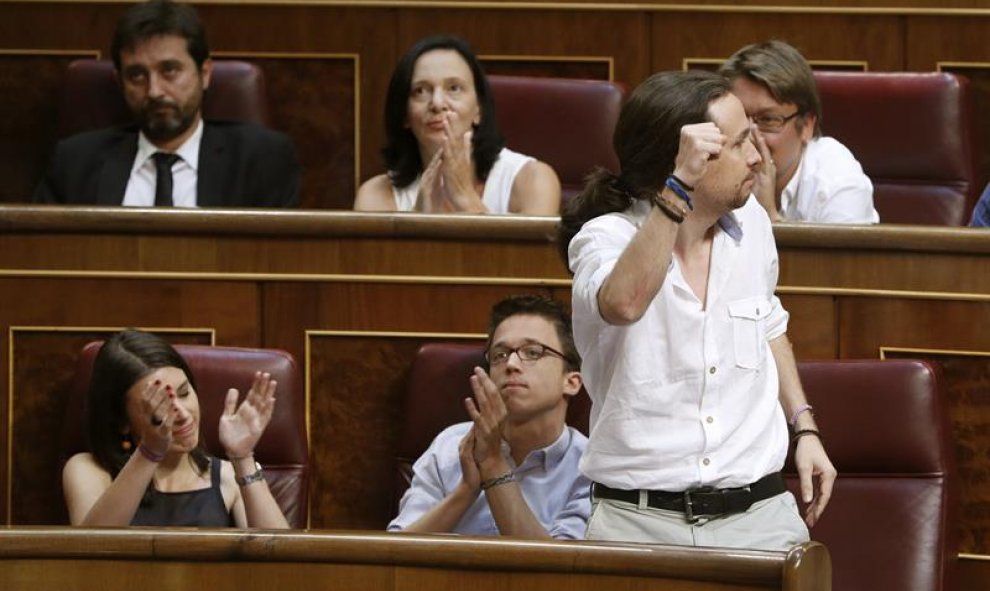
[689, 504]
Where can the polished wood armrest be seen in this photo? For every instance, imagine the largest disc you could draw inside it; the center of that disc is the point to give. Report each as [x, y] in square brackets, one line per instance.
[51, 554]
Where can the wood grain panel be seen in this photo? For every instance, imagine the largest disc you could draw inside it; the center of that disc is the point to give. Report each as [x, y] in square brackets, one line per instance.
[973, 574]
[291, 309]
[589, 68]
[30, 91]
[535, 33]
[366, 32]
[876, 40]
[867, 324]
[314, 100]
[355, 402]
[44, 361]
[812, 327]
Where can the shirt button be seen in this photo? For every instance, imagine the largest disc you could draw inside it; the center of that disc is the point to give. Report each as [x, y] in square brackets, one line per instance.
[711, 369]
[706, 461]
[757, 311]
[710, 420]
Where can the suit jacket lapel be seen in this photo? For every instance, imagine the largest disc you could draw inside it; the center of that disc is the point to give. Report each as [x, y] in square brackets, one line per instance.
[116, 171]
[213, 168]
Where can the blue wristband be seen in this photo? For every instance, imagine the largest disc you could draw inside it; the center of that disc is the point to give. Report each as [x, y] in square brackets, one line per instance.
[675, 185]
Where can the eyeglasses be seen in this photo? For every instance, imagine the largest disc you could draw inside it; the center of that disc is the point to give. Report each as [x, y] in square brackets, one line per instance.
[528, 354]
[773, 123]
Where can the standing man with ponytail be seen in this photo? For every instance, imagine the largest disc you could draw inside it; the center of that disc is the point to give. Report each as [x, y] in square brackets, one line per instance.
[686, 356]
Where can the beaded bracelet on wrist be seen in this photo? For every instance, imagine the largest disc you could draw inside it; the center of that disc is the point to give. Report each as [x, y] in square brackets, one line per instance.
[669, 208]
[498, 480]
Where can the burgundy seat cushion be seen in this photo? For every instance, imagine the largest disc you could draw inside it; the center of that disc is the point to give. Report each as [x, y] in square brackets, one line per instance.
[891, 523]
[913, 134]
[566, 123]
[92, 98]
[282, 450]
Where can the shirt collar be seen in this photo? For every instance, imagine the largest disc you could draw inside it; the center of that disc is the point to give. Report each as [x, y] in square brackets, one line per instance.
[789, 194]
[545, 457]
[188, 151]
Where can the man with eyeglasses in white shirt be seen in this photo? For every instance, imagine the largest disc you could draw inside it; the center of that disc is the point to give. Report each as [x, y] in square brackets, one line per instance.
[804, 177]
[513, 469]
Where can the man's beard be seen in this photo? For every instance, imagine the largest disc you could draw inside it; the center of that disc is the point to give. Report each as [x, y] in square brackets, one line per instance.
[164, 125]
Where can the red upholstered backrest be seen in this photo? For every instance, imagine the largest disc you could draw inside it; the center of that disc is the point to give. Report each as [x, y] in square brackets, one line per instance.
[282, 450]
[914, 135]
[891, 523]
[566, 123]
[92, 98]
[434, 399]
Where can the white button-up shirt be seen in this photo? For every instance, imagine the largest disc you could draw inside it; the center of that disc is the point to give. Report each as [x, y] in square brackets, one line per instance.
[140, 190]
[829, 186]
[687, 396]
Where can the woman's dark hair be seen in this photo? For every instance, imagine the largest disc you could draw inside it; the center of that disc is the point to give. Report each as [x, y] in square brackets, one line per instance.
[646, 141]
[125, 358]
[401, 150]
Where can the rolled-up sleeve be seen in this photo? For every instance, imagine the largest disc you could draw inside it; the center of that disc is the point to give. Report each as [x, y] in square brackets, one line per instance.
[592, 255]
[425, 491]
[572, 521]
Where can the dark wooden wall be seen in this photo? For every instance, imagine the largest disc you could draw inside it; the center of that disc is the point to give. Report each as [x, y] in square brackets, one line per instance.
[328, 63]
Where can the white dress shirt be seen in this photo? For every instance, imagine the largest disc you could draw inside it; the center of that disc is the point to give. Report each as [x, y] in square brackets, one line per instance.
[686, 396]
[829, 186]
[140, 190]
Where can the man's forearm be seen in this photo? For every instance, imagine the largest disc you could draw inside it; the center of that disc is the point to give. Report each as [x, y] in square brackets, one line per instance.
[445, 515]
[640, 271]
[792, 397]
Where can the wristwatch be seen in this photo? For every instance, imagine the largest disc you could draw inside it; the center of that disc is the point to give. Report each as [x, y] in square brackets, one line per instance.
[253, 477]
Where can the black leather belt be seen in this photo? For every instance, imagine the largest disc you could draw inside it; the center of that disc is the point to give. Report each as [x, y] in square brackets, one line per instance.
[700, 502]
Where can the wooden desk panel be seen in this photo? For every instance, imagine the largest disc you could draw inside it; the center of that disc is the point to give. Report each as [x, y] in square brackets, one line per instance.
[144, 558]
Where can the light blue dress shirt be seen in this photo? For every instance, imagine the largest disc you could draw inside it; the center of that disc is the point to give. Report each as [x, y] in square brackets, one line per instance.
[553, 487]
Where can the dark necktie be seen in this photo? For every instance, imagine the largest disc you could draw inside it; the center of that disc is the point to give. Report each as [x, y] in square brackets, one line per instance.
[163, 178]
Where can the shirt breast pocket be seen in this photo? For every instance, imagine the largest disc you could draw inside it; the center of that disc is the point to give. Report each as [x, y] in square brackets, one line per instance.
[749, 330]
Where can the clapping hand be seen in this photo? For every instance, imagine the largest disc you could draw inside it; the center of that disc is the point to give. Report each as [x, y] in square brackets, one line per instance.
[241, 425]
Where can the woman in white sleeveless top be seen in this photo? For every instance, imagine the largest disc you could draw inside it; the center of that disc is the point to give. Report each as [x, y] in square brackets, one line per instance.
[444, 152]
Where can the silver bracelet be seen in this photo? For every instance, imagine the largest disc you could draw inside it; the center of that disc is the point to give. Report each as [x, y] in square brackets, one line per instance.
[498, 480]
[250, 478]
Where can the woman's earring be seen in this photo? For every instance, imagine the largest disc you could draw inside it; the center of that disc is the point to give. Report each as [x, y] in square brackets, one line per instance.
[125, 442]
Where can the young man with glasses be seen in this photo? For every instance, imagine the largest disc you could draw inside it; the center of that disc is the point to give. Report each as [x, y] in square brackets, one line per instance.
[512, 469]
[803, 176]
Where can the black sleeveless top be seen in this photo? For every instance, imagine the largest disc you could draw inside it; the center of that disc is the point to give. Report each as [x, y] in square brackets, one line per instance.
[195, 508]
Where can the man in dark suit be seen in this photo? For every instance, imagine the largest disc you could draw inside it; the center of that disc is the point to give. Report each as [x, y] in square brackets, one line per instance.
[170, 156]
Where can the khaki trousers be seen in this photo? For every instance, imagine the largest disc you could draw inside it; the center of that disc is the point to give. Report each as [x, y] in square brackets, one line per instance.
[770, 524]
